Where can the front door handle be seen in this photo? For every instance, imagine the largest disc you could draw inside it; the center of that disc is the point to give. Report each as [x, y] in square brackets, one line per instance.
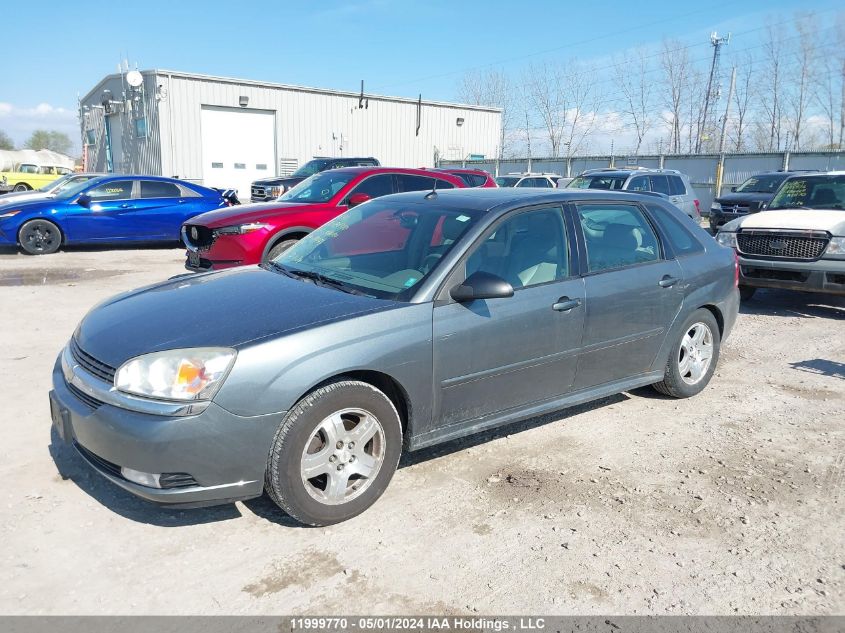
[565, 304]
[126, 206]
[668, 281]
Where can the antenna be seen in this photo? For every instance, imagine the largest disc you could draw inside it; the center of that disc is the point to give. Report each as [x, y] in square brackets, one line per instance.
[717, 43]
[433, 193]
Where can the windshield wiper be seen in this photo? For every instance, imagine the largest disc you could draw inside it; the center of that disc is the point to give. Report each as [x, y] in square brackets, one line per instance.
[279, 268]
[325, 281]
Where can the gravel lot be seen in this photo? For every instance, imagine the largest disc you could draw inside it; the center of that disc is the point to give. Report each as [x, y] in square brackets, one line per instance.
[730, 502]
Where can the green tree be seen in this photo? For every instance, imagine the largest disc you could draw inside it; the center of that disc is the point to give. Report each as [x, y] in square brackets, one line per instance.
[5, 141]
[50, 139]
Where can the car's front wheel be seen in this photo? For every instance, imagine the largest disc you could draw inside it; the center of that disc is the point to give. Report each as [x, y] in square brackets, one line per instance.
[693, 358]
[334, 453]
[40, 237]
[280, 248]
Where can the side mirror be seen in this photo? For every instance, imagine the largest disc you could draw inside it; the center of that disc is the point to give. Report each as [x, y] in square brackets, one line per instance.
[84, 200]
[357, 198]
[733, 188]
[481, 285]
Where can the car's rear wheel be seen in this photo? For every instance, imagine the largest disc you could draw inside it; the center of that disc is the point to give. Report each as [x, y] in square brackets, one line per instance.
[40, 237]
[693, 358]
[21, 186]
[746, 292]
[334, 453]
[280, 248]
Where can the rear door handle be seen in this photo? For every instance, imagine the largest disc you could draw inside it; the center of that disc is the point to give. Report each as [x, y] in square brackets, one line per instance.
[565, 304]
[126, 206]
[668, 281]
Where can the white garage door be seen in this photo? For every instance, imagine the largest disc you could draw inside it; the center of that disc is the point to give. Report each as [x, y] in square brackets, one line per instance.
[238, 147]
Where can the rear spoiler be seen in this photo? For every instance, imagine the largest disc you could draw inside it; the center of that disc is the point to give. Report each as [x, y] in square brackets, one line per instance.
[229, 195]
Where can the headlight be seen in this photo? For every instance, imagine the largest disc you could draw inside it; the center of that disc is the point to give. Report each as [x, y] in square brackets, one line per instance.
[726, 239]
[179, 374]
[836, 246]
[276, 191]
[9, 214]
[240, 229]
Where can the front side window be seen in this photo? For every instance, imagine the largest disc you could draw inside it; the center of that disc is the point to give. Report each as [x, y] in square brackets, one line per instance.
[526, 250]
[115, 190]
[378, 248]
[159, 189]
[320, 187]
[407, 182]
[617, 235]
[375, 186]
[507, 181]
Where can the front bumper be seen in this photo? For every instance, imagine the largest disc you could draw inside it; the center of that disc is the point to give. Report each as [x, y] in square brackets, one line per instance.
[225, 454]
[824, 275]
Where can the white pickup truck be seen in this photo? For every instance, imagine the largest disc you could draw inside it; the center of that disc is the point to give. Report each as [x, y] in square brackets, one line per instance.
[797, 242]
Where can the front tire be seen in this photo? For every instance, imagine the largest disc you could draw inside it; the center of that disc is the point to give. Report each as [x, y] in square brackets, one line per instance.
[40, 237]
[280, 248]
[693, 358]
[334, 453]
[22, 186]
[746, 292]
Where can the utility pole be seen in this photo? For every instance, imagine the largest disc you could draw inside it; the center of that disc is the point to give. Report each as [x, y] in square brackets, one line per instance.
[720, 169]
[717, 43]
[528, 136]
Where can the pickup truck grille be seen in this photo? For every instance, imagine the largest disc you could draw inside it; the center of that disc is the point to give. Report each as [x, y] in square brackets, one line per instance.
[782, 245]
[199, 237]
[259, 194]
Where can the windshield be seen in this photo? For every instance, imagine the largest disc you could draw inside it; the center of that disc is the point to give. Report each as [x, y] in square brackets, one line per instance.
[811, 192]
[310, 168]
[507, 181]
[598, 182]
[761, 184]
[318, 188]
[53, 184]
[378, 248]
[70, 183]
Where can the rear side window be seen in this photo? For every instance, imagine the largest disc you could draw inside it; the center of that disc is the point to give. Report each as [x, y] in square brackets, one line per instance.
[640, 183]
[676, 185]
[617, 235]
[660, 184]
[376, 186]
[408, 182]
[444, 184]
[157, 189]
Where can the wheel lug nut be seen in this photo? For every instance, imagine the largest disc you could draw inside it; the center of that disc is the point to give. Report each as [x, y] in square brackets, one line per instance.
[351, 445]
[333, 459]
[340, 466]
[351, 458]
[339, 444]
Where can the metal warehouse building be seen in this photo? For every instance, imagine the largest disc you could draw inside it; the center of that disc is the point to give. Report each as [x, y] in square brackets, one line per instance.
[226, 132]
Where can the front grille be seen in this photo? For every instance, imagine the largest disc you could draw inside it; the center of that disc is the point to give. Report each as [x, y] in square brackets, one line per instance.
[90, 364]
[739, 209]
[99, 462]
[782, 245]
[91, 401]
[258, 192]
[198, 236]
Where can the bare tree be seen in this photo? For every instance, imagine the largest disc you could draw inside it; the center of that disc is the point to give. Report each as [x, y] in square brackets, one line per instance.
[544, 95]
[802, 78]
[772, 88]
[744, 94]
[676, 66]
[492, 88]
[582, 99]
[636, 87]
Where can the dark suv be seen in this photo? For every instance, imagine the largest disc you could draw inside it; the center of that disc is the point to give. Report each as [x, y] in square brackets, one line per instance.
[271, 188]
[749, 197]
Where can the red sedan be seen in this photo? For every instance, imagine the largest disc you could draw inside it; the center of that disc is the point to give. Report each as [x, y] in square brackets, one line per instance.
[251, 234]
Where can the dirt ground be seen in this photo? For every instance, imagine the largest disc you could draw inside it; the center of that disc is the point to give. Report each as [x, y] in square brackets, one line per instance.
[730, 502]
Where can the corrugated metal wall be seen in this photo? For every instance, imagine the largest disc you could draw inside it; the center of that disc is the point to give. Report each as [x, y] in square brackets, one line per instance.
[310, 124]
[701, 169]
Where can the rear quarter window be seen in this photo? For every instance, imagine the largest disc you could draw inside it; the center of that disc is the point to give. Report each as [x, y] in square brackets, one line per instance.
[681, 239]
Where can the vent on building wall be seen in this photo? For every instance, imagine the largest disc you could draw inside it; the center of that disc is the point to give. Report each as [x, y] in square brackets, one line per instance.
[287, 166]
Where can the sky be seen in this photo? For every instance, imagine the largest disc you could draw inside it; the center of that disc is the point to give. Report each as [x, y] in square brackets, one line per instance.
[397, 48]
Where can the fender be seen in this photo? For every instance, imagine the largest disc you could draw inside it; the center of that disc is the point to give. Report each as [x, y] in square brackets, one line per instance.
[281, 234]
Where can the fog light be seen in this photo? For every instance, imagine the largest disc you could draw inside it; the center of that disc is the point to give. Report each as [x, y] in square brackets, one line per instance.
[149, 480]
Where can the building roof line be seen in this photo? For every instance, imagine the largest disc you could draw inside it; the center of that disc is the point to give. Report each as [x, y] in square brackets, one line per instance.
[293, 88]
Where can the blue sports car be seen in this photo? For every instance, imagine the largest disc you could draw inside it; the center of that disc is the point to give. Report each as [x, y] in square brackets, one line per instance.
[114, 208]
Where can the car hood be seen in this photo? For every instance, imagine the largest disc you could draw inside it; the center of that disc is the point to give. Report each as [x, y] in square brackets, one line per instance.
[18, 197]
[738, 198]
[287, 181]
[831, 220]
[220, 309]
[256, 212]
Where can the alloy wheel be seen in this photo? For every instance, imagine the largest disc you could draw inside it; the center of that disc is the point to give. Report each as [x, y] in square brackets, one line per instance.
[39, 237]
[696, 353]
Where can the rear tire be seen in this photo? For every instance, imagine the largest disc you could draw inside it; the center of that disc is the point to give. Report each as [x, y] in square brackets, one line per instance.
[39, 237]
[22, 186]
[334, 453]
[746, 292]
[693, 358]
[280, 248]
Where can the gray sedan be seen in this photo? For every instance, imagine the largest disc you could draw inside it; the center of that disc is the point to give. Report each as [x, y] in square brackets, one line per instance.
[407, 321]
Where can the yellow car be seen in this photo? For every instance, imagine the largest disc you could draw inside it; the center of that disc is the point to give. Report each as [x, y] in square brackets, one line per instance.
[28, 176]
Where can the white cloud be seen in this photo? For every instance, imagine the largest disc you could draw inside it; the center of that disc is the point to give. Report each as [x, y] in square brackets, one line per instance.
[19, 122]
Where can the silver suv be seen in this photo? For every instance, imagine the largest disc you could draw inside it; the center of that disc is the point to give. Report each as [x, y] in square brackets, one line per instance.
[529, 179]
[669, 182]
